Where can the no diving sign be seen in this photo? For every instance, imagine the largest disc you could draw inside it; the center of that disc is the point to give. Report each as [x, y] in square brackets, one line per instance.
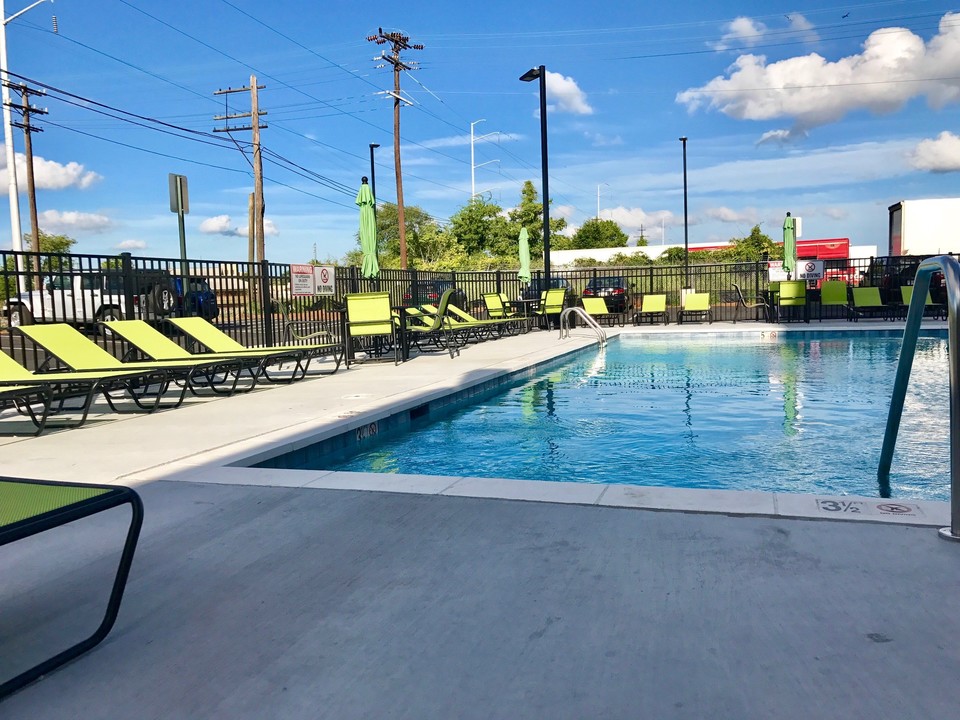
[312, 280]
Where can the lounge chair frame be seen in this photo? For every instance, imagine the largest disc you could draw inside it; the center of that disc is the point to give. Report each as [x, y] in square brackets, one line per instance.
[28, 507]
[654, 307]
[697, 312]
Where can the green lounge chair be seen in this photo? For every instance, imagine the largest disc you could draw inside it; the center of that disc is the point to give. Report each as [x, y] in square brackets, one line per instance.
[467, 325]
[439, 331]
[835, 293]
[653, 307]
[596, 307]
[372, 327]
[81, 354]
[695, 305]
[793, 293]
[29, 507]
[750, 303]
[867, 302]
[935, 310]
[151, 343]
[215, 340]
[24, 399]
[135, 385]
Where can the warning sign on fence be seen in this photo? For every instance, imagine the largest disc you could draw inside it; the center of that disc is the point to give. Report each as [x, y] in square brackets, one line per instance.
[312, 280]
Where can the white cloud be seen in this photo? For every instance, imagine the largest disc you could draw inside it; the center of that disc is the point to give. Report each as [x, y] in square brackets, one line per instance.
[894, 67]
[939, 156]
[132, 245]
[50, 175]
[741, 31]
[223, 225]
[600, 140]
[727, 215]
[781, 137]
[54, 221]
[479, 136]
[564, 95]
[631, 220]
[803, 27]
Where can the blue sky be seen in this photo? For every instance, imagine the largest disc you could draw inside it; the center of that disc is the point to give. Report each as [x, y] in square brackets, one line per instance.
[832, 112]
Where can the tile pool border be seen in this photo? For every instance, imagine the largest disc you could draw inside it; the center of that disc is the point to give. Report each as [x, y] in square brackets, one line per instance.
[238, 470]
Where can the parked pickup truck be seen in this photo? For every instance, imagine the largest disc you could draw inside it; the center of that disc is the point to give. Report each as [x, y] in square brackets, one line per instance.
[86, 298]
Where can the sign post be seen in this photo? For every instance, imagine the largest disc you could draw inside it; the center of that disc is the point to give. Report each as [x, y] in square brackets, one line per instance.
[180, 204]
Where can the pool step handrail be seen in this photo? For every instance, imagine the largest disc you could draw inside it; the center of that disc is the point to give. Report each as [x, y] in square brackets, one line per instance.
[587, 319]
[950, 268]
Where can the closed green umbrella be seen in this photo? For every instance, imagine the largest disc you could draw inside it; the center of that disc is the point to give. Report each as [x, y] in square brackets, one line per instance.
[524, 249]
[368, 231]
[789, 244]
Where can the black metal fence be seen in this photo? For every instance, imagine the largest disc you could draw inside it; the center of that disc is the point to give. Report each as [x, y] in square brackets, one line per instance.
[248, 300]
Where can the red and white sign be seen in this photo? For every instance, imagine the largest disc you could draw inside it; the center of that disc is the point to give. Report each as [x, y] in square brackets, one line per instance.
[307, 280]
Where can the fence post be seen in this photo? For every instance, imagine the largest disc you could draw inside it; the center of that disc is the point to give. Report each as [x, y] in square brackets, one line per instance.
[126, 270]
[265, 303]
[499, 282]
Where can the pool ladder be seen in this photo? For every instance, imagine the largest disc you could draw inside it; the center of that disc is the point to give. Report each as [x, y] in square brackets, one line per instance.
[589, 321]
[950, 268]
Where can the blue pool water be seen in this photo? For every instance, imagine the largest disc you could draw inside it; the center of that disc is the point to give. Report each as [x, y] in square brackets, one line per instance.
[786, 415]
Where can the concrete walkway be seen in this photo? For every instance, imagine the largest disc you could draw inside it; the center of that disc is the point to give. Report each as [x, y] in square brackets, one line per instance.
[266, 593]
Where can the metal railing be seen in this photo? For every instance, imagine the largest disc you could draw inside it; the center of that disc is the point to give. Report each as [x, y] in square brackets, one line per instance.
[589, 321]
[951, 274]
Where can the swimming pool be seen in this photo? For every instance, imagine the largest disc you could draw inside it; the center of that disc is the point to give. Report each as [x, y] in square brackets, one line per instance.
[802, 413]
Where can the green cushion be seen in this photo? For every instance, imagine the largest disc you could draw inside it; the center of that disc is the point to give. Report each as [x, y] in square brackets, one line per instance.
[21, 501]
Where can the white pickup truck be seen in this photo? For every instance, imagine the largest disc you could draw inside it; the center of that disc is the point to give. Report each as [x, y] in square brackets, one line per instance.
[86, 298]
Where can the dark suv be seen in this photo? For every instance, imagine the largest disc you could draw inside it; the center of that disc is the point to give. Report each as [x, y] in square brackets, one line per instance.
[200, 299]
[535, 289]
[428, 292]
[614, 290]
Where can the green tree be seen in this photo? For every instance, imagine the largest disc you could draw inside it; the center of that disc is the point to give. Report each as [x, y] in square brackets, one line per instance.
[754, 247]
[596, 233]
[49, 244]
[529, 214]
[476, 226]
[388, 231]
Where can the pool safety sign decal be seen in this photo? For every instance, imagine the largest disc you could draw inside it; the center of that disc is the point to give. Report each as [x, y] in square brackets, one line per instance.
[810, 270]
[312, 280]
[868, 508]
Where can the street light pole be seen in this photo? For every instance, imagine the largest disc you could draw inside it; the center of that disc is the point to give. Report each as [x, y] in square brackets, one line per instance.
[530, 75]
[373, 176]
[686, 237]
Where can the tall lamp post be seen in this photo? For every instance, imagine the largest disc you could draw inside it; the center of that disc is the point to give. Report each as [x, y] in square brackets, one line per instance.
[686, 237]
[530, 75]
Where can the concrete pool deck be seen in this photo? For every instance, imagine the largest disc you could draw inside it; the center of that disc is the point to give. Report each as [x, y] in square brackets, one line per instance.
[301, 594]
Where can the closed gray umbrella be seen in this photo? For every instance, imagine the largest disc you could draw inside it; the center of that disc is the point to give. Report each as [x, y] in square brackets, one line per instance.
[368, 231]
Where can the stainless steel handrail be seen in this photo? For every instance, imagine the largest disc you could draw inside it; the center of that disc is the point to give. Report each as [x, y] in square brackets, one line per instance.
[951, 273]
[589, 321]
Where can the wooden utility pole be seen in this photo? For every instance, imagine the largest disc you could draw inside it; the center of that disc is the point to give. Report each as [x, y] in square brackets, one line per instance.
[25, 109]
[398, 42]
[255, 126]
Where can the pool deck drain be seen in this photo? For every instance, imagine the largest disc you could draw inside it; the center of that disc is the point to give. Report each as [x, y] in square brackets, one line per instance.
[300, 595]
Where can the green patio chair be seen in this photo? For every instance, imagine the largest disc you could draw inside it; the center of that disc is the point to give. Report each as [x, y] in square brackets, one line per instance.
[596, 307]
[149, 342]
[652, 307]
[697, 306]
[214, 339]
[293, 327]
[793, 294]
[29, 507]
[497, 306]
[750, 303]
[551, 303]
[867, 303]
[79, 353]
[371, 326]
[833, 293]
[931, 308]
[66, 386]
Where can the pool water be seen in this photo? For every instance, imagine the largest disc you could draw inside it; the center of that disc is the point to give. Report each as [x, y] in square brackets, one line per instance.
[804, 415]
